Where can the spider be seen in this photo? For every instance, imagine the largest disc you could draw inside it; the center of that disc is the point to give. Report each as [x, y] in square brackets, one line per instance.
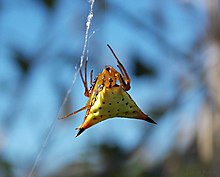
[108, 97]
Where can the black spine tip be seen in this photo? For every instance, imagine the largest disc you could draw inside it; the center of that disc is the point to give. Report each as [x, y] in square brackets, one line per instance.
[149, 119]
[80, 131]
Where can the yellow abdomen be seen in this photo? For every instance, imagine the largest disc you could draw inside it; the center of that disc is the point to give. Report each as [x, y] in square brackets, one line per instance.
[109, 103]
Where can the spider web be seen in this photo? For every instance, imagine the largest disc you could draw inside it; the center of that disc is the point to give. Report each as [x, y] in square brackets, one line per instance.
[82, 58]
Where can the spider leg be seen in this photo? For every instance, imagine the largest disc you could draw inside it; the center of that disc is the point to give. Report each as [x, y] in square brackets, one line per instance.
[85, 72]
[86, 93]
[125, 85]
[91, 77]
[75, 112]
[125, 80]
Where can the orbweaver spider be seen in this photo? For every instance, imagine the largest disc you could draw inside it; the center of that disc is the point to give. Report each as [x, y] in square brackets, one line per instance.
[108, 97]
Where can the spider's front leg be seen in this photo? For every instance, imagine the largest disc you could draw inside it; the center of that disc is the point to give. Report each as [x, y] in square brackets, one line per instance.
[75, 112]
[125, 84]
[124, 78]
[86, 93]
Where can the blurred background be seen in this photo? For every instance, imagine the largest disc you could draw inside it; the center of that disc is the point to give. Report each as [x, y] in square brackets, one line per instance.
[170, 48]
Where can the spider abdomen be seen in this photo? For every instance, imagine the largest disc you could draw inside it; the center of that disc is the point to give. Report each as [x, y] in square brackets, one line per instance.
[112, 102]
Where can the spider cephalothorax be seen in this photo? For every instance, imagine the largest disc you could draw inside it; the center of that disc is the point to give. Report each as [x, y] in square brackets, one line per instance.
[108, 97]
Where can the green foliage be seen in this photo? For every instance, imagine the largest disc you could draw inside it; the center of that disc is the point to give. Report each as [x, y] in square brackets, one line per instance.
[5, 168]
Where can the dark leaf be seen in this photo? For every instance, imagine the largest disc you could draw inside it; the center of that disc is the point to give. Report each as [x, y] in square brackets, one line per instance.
[141, 68]
[159, 111]
[22, 60]
[49, 3]
[6, 168]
